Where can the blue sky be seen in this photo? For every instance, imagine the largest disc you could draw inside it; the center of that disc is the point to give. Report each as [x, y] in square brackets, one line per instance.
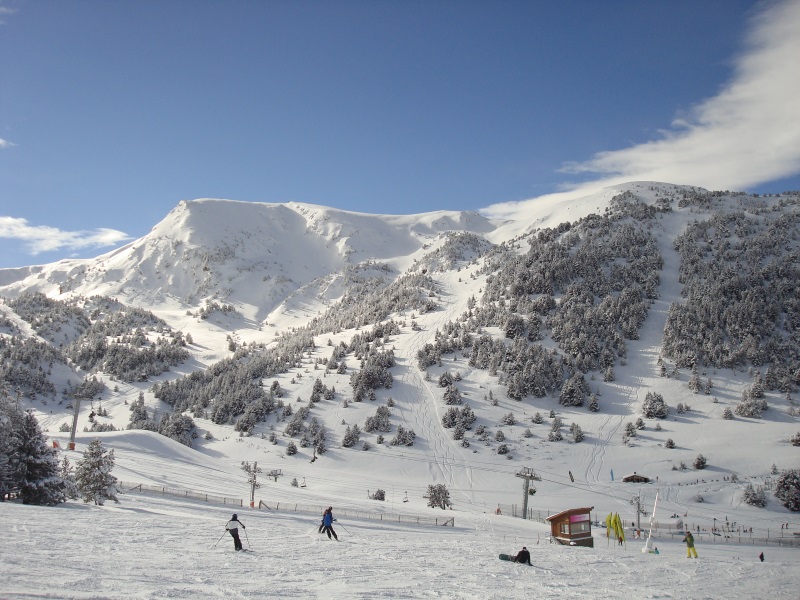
[113, 112]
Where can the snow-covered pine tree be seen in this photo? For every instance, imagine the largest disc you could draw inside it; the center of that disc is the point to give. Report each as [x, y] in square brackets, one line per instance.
[68, 475]
[573, 391]
[654, 406]
[37, 465]
[452, 395]
[700, 462]
[787, 489]
[93, 474]
[577, 433]
[438, 496]
[139, 418]
[178, 427]
[8, 445]
[754, 497]
[351, 436]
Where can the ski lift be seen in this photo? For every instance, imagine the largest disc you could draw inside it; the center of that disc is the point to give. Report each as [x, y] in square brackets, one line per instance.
[406, 498]
[304, 482]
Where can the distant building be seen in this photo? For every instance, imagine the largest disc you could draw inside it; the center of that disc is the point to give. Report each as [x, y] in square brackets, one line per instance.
[572, 527]
[636, 478]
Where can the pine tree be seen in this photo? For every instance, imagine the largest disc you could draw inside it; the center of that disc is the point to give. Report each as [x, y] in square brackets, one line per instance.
[8, 448]
[699, 462]
[787, 489]
[93, 474]
[40, 482]
[654, 406]
[68, 475]
[351, 436]
[438, 496]
[754, 497]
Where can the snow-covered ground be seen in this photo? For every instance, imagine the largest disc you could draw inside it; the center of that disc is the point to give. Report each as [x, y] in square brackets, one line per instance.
[151, 546]
[163, 547]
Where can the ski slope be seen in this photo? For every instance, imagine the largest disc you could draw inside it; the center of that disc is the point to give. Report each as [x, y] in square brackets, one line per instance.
[151, 546]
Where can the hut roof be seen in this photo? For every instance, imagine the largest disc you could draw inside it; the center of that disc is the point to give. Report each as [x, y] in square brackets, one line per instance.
[571, 511]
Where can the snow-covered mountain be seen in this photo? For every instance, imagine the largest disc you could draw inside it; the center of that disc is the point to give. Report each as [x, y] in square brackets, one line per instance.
[255, 255]
[501, 338]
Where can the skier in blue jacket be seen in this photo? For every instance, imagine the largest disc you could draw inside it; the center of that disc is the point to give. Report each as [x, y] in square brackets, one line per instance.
[327, 522]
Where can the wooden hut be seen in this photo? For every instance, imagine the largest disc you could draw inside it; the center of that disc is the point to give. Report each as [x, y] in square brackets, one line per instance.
[572, 527]
[636, 478]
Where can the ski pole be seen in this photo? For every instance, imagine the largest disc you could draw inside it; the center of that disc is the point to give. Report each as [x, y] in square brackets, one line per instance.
[343, 527]
[220, 539]
[247, 537]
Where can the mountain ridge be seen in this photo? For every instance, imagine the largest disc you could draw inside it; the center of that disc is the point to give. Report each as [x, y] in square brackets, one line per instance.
[581, 315]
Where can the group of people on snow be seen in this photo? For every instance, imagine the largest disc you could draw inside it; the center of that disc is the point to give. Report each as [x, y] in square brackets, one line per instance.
[326, 526]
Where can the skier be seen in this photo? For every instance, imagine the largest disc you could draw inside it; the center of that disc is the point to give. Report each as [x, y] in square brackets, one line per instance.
[689, 539]
[327, 522]
[233, 528]
[523, 556]
[761, 556]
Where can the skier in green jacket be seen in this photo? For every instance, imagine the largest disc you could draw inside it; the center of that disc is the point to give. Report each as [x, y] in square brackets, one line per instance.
[689, 539]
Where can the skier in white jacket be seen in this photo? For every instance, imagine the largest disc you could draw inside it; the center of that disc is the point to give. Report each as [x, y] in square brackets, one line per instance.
[233, 528]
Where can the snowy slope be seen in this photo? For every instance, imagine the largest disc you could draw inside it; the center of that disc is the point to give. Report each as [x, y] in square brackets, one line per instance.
[281, 265]
[151, 546]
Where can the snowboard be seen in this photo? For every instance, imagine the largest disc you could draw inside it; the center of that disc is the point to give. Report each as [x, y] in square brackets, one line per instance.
[509, 557]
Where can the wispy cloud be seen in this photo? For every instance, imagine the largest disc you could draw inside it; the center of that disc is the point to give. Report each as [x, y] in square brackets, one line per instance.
[746, 135]
[6, 144]
[4, 12]
[42, 238]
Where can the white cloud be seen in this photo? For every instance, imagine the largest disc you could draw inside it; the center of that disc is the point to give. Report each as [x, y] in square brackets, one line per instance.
[746, 135]
[42, 238]
[6, 144]
[4, 10]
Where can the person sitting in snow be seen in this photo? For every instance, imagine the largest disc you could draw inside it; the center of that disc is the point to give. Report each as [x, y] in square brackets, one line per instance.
[233, 528]
[523, 556]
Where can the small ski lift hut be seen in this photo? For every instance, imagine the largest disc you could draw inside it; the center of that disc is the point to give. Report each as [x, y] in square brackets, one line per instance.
[572, 527]
[635, 478]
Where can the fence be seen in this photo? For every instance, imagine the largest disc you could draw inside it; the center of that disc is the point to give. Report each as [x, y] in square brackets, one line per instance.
[667, 529]
[360, 514]
[125, 486]
[736, 538]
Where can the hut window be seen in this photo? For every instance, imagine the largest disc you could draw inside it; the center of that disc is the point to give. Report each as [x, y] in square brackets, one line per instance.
[582, 527]
[564, 528]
